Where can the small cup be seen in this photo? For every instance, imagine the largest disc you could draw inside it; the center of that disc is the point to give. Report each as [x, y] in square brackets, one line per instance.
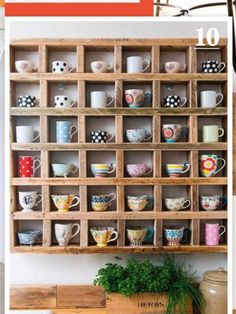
[212, 133]
[100, 67]
[138, 170]
[174, 67]
[62, 67]
[213, 234]
[174, 101]
[63, 170]
[28, 166]
[138, 135]
[214, 202]
[213, 66]
[176, 170]
[136, 98]
[63, 101]
[138, 235]
[101, 137]
[102, 170]
[101, 203]
[25, 66]
[26, 134]
[64, 233]
[27, 101]
[100, 99]
[139, 202]
[209, 165]
[65, 202]
[103, 235]
[136, 64]
[29, 237]
[178, 203]
[29, 200]
[172, 132]
[173, 235]
[64, 131]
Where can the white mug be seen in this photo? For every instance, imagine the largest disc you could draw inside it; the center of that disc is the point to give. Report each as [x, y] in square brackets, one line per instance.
[63, 101]
[210, 99]
[212, 133]
[25, 66]
[62, 67]
[64, 233]
[25, 134]
[29, 200]
[137, 64]
[101, 99]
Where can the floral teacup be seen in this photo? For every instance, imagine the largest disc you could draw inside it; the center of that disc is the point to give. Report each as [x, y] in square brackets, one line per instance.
[100, 67]
[172, 132]
[102, 235]
[212, 202]
[64, 202]
[138, 170]
[176, 170]
[136, 98]
[102, 170]
[138, 235]
[174, 67]
[209, 165]
[139, 202]
[174, 235]
[138, 135]
[101, 203]
[175, 204]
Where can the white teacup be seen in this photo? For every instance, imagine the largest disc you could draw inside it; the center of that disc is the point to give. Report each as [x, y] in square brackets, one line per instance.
[25, 66]
[26, 134]
[62, 67]
[174, 67]
[64, 233]
[64, 170]
[100, 67]
[136, 64]
[100, 99]
[29, 200]
[178, 203]
[63, 101]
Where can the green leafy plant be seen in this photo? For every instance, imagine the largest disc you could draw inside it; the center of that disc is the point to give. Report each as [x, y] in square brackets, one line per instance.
[171, 277]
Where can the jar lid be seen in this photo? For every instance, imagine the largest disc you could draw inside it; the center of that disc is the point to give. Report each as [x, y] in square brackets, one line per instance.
[218, 275]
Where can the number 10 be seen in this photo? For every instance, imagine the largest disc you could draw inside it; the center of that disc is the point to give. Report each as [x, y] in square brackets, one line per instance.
[212, 37]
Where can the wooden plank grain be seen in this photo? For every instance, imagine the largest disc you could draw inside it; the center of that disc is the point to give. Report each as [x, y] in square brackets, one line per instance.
[84, 296]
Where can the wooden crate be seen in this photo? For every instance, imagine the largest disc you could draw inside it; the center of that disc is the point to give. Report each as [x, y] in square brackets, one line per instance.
[81, 79]
[144, 303]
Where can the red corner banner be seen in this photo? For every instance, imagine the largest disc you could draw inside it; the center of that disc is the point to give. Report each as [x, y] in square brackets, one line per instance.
[141, 8]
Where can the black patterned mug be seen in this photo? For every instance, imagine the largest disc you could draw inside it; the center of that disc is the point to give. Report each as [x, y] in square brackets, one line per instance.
[27, 101]
[173, 101]
[101, 137]
[213, 66]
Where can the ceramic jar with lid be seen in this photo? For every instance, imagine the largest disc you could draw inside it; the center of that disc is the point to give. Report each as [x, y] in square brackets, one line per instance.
[214, 289]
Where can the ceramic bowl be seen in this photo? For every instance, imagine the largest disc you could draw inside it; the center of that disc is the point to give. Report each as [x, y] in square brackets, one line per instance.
[29, 237]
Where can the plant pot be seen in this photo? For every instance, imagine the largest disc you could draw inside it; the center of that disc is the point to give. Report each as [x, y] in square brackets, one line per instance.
[148, 303]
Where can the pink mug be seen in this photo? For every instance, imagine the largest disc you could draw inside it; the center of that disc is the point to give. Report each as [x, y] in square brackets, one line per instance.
[213, 234]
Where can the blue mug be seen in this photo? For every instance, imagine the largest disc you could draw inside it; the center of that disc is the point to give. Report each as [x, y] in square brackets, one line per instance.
[64, 131]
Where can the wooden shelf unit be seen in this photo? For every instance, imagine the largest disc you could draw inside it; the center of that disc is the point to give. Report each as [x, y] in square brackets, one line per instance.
[156, 113]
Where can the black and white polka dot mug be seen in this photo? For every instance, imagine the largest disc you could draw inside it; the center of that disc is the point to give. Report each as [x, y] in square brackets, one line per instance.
[64, 101]
[101, 137]
[173, 101]
[27, 101]
[62, 67]
[213, 66]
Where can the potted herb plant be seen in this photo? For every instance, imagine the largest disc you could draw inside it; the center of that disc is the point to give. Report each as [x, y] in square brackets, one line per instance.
[141, 287]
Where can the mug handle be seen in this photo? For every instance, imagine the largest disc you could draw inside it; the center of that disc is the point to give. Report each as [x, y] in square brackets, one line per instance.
[187, 203]
[148, 172]
[73, 101]
[221, 132]
[147, 65]
[71, 67]
[223, 201]
[116, 236]
[220, 97]
[34, 165]
[183, 67]
[73, 133]
[150, 232]
[148, 137]
[109, 67]
[35, 67]
[147, 98]
[224, 230]
[111, 136]
[75, 169]
[76, 232]
[111, 100]
[187, 169]
[150, 202]
[221, 66]
[37, 136]
[112, 196]
[183, 101]
[111, 171]
[224, 164]
[40, 199]
[76, 203]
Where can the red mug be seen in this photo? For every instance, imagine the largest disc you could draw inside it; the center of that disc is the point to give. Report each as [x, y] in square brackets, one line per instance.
[28, 166]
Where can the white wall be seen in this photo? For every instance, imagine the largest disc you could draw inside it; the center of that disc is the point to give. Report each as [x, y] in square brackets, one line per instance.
[83, 268]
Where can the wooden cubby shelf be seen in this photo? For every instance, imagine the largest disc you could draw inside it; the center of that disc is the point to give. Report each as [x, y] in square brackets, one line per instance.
[116, 119]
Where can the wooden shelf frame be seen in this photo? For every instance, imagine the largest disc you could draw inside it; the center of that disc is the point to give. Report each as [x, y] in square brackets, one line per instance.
[192, 113]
